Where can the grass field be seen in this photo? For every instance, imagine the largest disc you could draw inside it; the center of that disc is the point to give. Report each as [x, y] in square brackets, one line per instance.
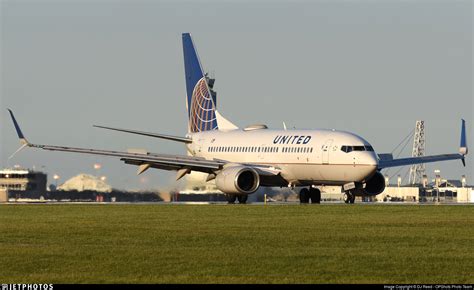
[236, 244]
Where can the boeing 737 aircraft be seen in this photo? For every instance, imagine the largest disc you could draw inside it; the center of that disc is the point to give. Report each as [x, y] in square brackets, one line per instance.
[242, 160]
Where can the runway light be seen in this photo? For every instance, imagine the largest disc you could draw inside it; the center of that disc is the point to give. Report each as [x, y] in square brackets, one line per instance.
[55, 177]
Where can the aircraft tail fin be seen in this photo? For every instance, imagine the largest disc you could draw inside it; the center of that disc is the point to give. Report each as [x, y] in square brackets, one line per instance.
[199, 102]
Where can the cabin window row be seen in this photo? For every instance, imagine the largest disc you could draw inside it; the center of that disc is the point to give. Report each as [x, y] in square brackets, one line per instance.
[257, 149]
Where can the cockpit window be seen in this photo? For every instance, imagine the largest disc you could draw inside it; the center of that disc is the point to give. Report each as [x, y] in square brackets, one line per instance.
[348, 148]
[359, 148]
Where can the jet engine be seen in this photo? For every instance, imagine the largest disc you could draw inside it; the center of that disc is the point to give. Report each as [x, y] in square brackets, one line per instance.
[375, 185]
[238, 180]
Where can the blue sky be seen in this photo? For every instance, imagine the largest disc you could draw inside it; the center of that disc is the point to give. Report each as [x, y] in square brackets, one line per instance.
[370, 67]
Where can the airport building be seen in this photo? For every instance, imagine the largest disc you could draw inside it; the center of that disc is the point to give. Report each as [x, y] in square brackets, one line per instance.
[24, 181]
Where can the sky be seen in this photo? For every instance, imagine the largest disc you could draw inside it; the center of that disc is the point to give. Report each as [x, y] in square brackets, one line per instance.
[369, 67]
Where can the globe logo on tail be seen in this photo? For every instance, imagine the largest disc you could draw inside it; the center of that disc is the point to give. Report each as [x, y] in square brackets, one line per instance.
[202, 115]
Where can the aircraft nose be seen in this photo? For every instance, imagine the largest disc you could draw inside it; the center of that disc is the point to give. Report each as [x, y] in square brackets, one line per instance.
[373, 160]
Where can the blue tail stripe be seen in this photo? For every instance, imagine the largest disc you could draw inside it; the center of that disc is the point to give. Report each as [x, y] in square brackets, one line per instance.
[192, 67]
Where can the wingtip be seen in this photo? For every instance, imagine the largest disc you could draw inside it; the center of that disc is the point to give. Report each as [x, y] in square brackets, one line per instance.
[463, 144]
[22, 138]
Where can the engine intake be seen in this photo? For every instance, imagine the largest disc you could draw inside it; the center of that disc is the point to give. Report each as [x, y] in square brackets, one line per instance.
[238, 180]
[375, 185]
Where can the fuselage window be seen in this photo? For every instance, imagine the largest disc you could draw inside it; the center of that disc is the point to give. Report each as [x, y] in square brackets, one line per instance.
[359, 148]
[369, 148]
[311, 150]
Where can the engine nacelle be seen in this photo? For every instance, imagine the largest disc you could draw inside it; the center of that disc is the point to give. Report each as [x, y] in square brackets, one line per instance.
[238, 180]
[375, 185]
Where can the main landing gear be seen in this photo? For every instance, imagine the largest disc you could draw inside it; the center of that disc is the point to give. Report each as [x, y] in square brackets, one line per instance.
[349, 197]
[312, 194]
[231, 198]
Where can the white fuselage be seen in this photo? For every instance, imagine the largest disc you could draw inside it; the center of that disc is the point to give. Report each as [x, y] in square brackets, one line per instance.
[303, 156]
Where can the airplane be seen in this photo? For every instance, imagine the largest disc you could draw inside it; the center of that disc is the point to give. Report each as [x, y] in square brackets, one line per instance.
[241, 160]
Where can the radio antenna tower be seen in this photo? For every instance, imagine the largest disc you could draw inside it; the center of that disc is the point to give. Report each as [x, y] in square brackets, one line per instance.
[418, 170]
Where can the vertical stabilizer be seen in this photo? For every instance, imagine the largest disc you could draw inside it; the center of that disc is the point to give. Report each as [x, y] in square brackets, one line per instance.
[200, 105]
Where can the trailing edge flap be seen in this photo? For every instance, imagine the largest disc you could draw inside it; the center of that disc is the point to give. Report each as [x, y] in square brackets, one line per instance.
[142, 168]
[224, 124]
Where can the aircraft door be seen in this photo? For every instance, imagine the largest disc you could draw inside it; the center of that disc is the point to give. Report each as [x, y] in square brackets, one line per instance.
[325, 151]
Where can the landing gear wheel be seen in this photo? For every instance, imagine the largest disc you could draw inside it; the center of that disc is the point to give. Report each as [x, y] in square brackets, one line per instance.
[315, 195]
[349, 197]
[353, 198]
[231, 198]
[242, 198]
[304, 195]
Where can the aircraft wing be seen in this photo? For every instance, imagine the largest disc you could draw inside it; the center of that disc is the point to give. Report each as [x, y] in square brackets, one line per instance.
[161, 161]
[386, 160]
[417, 160]
[182, 163]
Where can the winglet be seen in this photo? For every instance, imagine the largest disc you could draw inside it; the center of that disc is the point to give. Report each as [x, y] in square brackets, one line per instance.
[463, 146]
[23, 140]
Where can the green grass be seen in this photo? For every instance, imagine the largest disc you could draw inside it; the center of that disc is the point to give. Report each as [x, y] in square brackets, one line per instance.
[236, 244]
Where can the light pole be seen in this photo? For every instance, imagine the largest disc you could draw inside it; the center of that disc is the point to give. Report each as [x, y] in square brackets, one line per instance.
[437, 182]
[56, 177]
